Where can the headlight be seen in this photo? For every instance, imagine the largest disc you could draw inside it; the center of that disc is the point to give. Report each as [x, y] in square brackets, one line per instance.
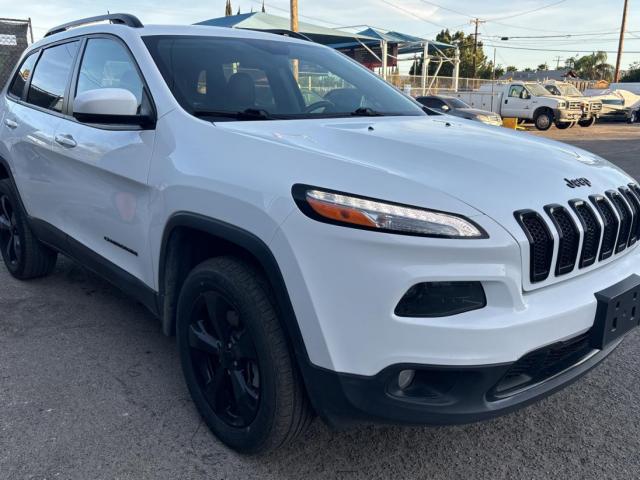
[490, 119]
[562, 104]
[370, 214]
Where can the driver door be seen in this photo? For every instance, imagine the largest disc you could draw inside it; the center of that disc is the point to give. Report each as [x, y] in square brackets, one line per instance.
[517, 104]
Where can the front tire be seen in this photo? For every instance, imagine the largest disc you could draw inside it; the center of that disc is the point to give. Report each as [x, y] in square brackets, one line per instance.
[235, 358]
[563, 125]
[24, 256]
[587, 123]
[543, 120]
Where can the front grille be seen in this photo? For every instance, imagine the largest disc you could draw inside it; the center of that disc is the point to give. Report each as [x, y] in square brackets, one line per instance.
[575, 105]
[596, 107]
[609, 225]
[542, 364]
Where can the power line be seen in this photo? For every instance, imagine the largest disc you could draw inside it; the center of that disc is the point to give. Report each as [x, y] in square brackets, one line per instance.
[529, 11]
[285, 10]
[446, 8]
[556, 50]
[413, 14]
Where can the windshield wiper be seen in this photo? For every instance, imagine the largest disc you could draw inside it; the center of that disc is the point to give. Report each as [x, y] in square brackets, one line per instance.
[366, 112]
[248, 114]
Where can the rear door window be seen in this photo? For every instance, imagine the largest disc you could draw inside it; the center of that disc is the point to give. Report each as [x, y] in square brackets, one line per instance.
[51, 76]
[22, 76]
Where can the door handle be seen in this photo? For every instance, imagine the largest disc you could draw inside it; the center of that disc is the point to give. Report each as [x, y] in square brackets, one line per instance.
[506, 101]
[10, 123]
[66, 141]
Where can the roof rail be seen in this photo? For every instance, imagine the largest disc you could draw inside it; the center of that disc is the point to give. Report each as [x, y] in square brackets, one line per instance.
[119, 18]
[285, 33]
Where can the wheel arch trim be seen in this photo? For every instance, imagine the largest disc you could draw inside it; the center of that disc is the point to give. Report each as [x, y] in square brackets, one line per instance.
[252, 244]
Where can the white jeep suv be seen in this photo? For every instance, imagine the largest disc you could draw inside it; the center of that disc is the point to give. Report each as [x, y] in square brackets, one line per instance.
[317, 243]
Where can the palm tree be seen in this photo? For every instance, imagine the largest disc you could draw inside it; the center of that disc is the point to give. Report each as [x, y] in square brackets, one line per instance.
[594, 67]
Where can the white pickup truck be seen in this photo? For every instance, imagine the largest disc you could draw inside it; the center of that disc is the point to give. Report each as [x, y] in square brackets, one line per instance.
[591, 107]
[525, 100]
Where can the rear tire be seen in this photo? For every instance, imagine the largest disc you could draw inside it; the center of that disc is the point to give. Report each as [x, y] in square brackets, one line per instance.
[543, 120]
[24, 256]
[587, 123]
[235, 358]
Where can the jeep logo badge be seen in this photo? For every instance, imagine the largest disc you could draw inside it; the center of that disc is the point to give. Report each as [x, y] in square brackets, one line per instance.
[577, 182]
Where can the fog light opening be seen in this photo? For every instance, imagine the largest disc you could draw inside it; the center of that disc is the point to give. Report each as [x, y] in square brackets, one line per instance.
[405, 379]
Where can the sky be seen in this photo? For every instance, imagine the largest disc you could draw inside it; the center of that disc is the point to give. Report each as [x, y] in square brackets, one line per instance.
[593, 24]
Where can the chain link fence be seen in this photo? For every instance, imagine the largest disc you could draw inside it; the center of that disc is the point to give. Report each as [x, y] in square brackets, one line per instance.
[14, 35]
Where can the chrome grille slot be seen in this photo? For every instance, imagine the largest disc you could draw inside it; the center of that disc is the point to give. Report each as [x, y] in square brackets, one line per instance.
[625, 219]
[569, 238]
[633, 204]
[540, 242]
[610, 222]
[592, 232]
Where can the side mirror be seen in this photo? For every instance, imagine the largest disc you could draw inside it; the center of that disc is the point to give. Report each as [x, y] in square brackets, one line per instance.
[108, 106]
[445, 108]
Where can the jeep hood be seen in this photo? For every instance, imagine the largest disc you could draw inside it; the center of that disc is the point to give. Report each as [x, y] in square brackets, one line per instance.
[494, 170]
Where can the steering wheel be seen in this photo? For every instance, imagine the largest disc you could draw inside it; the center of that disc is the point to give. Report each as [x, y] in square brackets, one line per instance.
[318, 105]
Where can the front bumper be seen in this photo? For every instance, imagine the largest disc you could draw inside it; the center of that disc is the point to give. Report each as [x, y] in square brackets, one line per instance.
[569, 115]
[345, 284]
[450, 395]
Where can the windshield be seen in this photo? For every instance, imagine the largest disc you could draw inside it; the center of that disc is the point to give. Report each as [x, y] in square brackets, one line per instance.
[248, 79]
[456, 103]
[536, 89]
[570, 91]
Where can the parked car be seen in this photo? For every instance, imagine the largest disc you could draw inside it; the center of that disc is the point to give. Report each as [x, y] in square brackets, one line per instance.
[351, 257]
[591, 107]
[618, 105]
[526, 101]
[456, 107]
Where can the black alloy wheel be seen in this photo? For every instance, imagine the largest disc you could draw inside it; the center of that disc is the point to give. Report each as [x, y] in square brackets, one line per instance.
[224, 358]
[10, 240]
[235, 357]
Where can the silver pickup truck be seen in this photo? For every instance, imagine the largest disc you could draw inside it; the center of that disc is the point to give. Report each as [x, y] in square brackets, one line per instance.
[591, 108]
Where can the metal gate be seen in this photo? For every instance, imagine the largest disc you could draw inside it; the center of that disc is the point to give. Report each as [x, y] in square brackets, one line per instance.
[13, 41]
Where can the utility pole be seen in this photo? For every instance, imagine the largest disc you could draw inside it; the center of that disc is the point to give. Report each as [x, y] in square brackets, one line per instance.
[621, 44]
[294, 28]
[558, 59]
[477, 23]
[294, 15]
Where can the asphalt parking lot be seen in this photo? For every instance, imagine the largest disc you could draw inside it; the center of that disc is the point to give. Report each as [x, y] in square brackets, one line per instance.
[91, 389]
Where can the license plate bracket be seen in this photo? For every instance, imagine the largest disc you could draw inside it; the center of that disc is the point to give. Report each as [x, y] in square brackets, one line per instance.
[618, 312]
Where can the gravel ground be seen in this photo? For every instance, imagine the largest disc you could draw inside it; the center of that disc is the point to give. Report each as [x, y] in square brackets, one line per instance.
[91, 389]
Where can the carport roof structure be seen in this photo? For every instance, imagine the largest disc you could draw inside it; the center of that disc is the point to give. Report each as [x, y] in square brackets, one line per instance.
[406, 43]
[266, 22]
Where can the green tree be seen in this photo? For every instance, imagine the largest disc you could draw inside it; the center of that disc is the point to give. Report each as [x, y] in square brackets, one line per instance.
[512, 68]
[543, 67]
[594, 67]
[633, 75]
[465, 44]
